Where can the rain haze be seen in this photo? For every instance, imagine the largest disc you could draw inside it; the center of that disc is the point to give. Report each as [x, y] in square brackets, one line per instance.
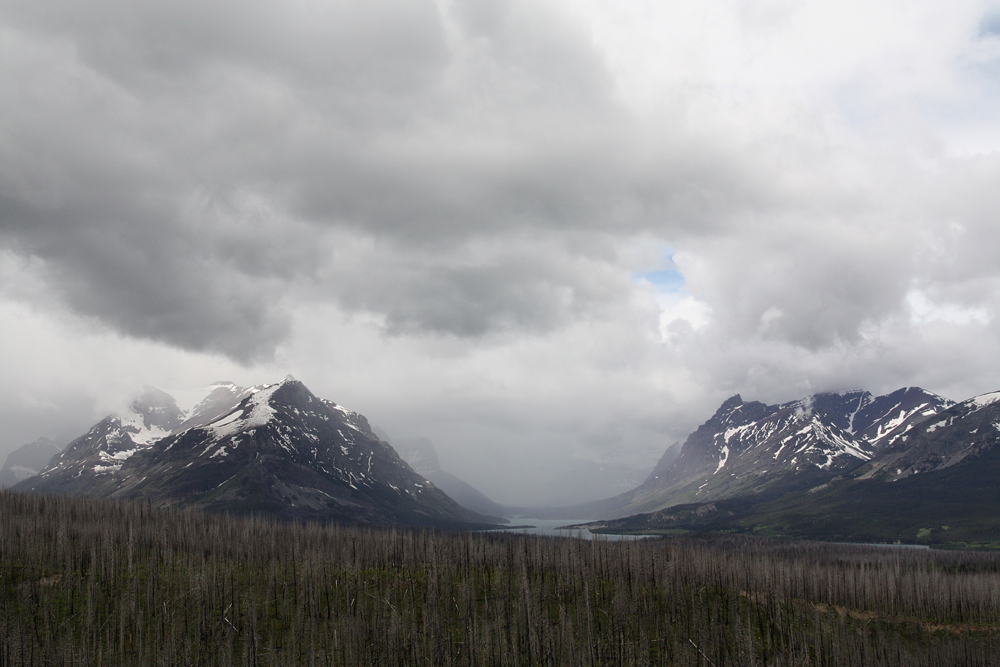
[541, 234]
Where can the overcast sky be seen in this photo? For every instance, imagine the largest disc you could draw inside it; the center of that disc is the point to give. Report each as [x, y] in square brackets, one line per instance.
[534, 231]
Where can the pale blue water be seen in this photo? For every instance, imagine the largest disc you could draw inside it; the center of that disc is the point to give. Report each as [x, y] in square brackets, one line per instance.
[552, 527]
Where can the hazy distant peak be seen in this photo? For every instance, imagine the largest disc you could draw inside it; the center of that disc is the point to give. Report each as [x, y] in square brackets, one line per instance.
[157, 409]
[419, 453]
[223, 383]
[26, 461]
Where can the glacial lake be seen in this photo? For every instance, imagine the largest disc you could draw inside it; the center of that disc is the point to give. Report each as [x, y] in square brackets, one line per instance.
[552, 527]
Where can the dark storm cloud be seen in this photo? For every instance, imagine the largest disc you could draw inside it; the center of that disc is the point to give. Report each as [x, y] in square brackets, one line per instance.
[529, 284]
[163, 271]
[380, 45]
[194, 172]
[138, 222]
[140, 132]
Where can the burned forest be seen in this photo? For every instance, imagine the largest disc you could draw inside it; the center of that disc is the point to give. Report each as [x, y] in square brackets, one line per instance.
[98, 582]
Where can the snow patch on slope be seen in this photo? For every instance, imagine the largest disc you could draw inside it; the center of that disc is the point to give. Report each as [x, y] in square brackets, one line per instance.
[985, 399]
[134, 424]
[863, 400]
[256, 413]
[725, 457]
[893, 423]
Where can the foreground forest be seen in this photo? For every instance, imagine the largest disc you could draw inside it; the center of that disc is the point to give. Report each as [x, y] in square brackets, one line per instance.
[87, 582]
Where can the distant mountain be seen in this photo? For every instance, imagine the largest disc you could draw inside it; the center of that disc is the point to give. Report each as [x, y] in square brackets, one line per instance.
[276, 450]
[751, 448]
[671, 454]
[423, 458]
[26, 461]
[418, 452]
[931, 482]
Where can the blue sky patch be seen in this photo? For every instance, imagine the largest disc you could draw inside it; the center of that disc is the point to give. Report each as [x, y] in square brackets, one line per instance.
[664, 280]
[667, 278]
[990, 25]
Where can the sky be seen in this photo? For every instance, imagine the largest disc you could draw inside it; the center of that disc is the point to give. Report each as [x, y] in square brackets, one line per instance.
[537, 232]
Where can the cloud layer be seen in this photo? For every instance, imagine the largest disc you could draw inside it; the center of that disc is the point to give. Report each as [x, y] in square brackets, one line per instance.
[443, 212]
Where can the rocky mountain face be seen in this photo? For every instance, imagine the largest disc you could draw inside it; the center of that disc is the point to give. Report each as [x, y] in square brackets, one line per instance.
[26, 461]
[964, 431]
[749, 447]
[276, 450]
[932, 479]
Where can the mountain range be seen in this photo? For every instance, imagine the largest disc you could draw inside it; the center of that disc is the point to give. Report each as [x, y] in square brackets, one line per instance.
[750, 447]
[273, 450]
[907, 466]
[851, 466]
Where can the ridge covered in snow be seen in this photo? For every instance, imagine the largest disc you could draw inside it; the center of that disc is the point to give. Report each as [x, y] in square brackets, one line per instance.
[273, 448]
[749, 447]
[946, 438]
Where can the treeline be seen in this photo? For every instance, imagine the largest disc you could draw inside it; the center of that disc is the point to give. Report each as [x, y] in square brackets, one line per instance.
[90, 582]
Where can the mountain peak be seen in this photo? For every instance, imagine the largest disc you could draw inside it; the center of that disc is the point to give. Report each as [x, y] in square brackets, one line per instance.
[728, 407]
[419, 453]
[273, 448]
[731, 402]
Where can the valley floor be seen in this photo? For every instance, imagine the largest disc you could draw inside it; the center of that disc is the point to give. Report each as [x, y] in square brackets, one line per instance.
[88, 582]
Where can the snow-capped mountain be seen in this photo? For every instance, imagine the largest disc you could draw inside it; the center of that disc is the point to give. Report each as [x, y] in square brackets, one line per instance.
[932, 479]
[269, 449]
[750, 447]
[963, 431]
[152, 416]
[26, 461]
